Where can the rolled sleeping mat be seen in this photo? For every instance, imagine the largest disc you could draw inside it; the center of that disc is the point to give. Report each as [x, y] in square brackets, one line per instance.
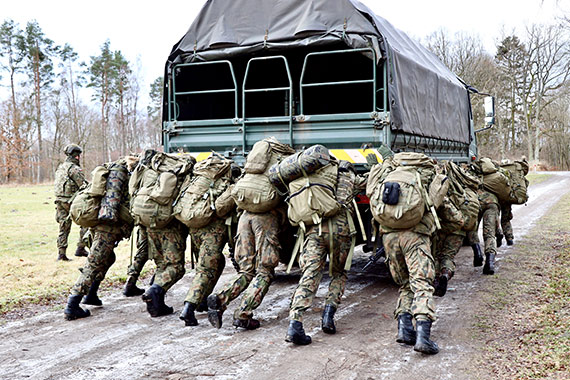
[117, 181]
[292, 167]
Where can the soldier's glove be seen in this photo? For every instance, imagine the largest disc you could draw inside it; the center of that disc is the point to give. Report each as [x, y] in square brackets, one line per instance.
[371, 160]
[385, 151]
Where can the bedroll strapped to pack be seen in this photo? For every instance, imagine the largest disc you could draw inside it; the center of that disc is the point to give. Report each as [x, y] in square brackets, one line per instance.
[401, 198]
[519, 184]
[196, 205]
[254, 192]
[115, 192]
[155, 184]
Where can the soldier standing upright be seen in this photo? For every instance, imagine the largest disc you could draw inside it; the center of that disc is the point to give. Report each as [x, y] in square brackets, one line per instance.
[69, 178]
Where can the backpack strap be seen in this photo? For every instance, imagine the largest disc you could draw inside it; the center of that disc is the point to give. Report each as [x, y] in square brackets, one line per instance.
[352, 229]
[428, 202]
[298, 243]
[331, 245]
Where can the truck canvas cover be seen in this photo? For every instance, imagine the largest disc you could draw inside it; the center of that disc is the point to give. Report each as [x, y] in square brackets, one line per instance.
[425, 97]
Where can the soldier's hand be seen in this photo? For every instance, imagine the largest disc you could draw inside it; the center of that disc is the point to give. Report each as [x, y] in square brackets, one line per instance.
[371, 159]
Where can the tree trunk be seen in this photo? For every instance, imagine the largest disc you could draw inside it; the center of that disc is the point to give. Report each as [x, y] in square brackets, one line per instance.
[38, 110]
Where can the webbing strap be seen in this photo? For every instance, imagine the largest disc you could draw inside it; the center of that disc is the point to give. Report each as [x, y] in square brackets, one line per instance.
[352, 229]
[298, 243]
[228, 223]
[360, 223]
[331, 246]
[132, 238]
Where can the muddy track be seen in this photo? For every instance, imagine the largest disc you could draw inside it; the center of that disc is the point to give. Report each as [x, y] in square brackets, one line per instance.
[120, 340]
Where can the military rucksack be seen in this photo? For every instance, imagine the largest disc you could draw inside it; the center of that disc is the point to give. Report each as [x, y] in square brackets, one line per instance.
[401, 198]
[519, 184]
[254, 191]
[196, 205]
[85, 205]
[463, 194]
[155, 184]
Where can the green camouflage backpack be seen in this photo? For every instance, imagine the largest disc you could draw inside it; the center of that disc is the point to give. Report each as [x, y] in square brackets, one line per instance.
[155, 184]
[519, 184]
[196, 205]
[254, 192]
[401, 198]
[463, 194]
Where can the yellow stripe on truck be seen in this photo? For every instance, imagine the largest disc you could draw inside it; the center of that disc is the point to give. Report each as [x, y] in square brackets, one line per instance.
[356, 156]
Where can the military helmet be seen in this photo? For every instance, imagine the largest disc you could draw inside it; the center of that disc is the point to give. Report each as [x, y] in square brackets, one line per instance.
[72, 149]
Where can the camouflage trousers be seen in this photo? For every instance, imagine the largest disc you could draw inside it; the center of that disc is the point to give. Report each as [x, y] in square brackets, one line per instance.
[489, 217]
[166, 247]
[312, 262]
[412, 267]
[447, 246]
[100, 259]
[63, 218]
[207, 244]
[506, 217]
[257, 253]
[141, 257]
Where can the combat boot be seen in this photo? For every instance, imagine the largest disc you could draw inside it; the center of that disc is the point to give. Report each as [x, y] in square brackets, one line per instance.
[187, 314]
[203, 305]
[248, 324]
[423, 343]
[441, 287]
[215, 311]
[499, 239]
[61, 255]
[81, 252]
[73, 311]
[91, 298]
[510, 242]
[327, 323]
[131, 288]
[296, 334]
[154, 298]
[489, 267]
[477, 255]
[406, 332]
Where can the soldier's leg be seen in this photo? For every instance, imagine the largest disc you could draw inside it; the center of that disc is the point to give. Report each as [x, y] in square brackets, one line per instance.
[138, 262]
[399, 271]
[490, 215]
[62, 217]
[312, 262]
[506, 217]
[210, 242]
[266, 231]
[170, 260]
[449, 248]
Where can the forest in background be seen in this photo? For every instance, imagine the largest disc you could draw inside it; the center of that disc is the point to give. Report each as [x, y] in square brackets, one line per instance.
[45, 106]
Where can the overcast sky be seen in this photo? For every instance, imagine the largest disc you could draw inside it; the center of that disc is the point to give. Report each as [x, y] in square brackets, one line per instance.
[145, 31]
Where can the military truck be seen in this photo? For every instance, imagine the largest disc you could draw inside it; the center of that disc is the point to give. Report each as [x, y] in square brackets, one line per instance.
[310, 72]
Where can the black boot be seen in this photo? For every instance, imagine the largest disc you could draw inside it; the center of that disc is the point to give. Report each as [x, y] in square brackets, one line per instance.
[296, 334]
[510, 242]
[215, 311]
[62, 256]
[154, 298]
[248, 324]
[406, 332]
[423, 343]
[499, 239]
[489, 267]
[131, 288]
[327, 323]
[477, 255]
[91, 298]
[81, 252]
[187, 314]
[203, 305]
[441, 287]
[73, 311]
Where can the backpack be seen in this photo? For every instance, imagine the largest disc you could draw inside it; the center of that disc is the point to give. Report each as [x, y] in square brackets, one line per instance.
[400, 199]
[115, 192]
[313, 196]
[155, 184]
[85, 205]
[463, 194]
[519, 184]
[254, 192]
[196, 207]
[499, 183]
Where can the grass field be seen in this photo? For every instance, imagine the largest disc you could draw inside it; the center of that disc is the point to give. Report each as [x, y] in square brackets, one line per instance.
[29, 272]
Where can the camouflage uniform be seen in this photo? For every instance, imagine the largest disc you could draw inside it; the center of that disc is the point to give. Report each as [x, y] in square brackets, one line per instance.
[141, 257]
[166, 247]
[449, 238]
[207, 244]
[489, 215]
[69, 179]
[101, 257]
[257, 254]
[506, 217]
[312, 262]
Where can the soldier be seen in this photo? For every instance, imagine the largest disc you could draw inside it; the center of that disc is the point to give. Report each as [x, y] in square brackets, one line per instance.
[137, 264]
[257, 254]
[489, 215]
[106, 236]
[332, 238]
[69, 178]
[166, 247]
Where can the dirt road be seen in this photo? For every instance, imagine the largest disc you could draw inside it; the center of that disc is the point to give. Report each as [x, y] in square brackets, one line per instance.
[120, 340]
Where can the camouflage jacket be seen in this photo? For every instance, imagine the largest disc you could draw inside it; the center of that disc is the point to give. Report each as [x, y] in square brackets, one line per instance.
[69, 178]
